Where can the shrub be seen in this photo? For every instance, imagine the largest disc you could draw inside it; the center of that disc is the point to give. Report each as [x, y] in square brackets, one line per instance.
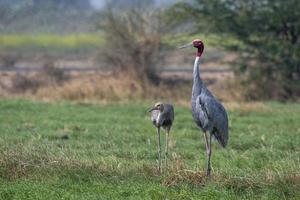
[8, 60]
[269, 40]
[22, 83]
[133, 42]
[50, 76]
[56, 74]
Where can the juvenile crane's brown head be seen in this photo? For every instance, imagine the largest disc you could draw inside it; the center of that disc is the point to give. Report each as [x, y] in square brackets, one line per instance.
[197, 43]
[158, 106]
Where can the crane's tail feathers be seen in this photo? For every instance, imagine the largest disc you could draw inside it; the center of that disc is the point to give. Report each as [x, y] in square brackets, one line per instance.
[222, 140]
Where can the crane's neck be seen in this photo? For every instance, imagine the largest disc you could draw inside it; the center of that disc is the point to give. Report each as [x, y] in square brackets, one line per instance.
[197, 80]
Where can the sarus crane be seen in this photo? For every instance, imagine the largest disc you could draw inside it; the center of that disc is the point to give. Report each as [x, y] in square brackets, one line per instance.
[207, 111]
[162, 115]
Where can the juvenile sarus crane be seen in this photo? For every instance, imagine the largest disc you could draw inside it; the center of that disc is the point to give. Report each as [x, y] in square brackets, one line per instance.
[208, 113]
[162, 115]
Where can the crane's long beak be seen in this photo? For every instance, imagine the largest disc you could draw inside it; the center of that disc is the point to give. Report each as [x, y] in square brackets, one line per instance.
[186, 46]
[150, 110]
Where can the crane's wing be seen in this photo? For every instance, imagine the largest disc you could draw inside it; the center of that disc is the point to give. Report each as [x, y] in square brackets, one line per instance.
[202, 118]
[217, 118]
[167, 115]
[170, 111]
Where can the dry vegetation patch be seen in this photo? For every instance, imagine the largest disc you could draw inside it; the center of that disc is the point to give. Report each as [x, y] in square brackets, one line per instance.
[53, 84]
[246, 106]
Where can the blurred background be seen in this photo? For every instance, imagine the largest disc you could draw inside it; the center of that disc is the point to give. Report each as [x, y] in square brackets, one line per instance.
[113, 50]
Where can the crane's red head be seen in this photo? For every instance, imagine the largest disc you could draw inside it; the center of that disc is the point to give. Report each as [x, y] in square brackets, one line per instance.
[197, 44]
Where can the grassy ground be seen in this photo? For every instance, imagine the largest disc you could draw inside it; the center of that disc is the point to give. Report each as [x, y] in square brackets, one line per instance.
[50, 43]
[84, 151]
[83, 43]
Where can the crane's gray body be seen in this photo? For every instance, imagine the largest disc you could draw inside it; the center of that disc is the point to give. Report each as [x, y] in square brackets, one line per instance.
[163, 119]
[208, 113]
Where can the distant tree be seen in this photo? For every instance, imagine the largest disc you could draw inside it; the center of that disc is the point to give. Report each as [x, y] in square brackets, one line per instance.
[269, 35]
[77, 4]
[126, 4]
[133, 42]
[44, 16]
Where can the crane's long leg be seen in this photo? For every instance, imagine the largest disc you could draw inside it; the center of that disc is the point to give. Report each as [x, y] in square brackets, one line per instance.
[167, 147]
[208, 151]
[159, 149]
[209, 156]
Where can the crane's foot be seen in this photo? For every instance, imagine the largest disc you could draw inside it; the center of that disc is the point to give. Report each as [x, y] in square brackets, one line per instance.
[208, 171]
[166, 161]
[159, 168]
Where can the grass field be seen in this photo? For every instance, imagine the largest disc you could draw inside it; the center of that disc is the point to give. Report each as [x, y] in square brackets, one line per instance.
[84, 151]
[87, 42]
[50, 43]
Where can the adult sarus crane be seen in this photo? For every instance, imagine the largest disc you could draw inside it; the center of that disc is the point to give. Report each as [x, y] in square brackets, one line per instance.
[208, 113]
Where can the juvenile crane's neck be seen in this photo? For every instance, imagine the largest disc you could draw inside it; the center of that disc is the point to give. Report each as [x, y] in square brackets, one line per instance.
[197, 80]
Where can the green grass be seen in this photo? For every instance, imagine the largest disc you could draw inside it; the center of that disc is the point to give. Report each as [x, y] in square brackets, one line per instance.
[84, 43]
[50, 43]
[110, 153]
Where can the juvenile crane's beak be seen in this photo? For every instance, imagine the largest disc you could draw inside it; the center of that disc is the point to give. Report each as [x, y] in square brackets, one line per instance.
[154, 108]
[186, 46]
